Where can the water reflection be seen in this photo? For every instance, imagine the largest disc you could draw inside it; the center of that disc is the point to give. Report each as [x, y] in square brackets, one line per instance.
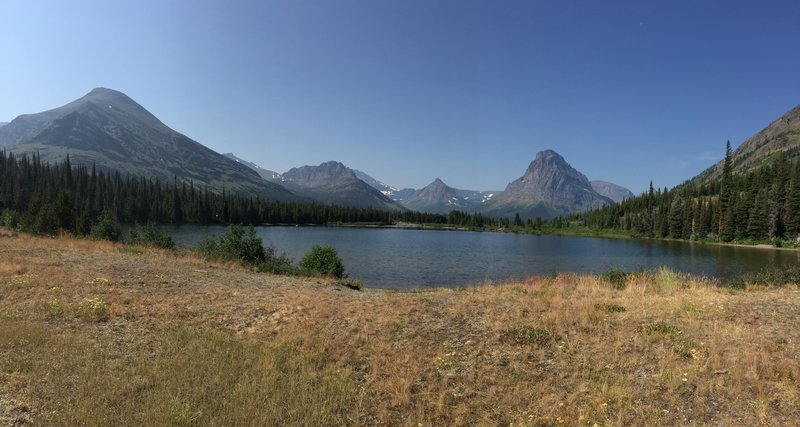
[415, 258]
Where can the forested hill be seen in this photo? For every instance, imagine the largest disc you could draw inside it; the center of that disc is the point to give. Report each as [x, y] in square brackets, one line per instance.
[758, 205]
[45, 198]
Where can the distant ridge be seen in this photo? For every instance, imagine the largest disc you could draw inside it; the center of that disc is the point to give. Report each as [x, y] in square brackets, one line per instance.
[335, 184]
[615, 192]
[438, 197]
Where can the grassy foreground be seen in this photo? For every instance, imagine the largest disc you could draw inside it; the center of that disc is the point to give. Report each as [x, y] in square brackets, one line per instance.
[93, 333]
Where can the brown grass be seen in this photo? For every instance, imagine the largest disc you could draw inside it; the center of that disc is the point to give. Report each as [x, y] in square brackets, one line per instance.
[189, 342]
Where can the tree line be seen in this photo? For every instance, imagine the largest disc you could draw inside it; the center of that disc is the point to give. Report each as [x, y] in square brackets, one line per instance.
[760, 205]
[44, 198]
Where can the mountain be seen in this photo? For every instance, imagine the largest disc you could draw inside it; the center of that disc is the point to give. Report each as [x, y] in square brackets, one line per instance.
[3, 124]
[112, 130]
[782, 135]
[335, 184]
[263, 173]
[549, 187]
[387, 190]
[615, 192]
[437, 197]
[403, 194]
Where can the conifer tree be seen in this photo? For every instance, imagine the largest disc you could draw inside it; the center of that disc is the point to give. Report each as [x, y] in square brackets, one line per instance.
[725, 191]
[793, 204]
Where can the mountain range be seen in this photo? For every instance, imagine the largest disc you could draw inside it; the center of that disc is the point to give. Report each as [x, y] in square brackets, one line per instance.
[108, 129]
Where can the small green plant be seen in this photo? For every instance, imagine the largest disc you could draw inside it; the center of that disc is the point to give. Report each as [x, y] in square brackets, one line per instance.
[93, 310]
[21, 281]
[527, 335]
[322, 260]
[609, 307]
[616, 278]
[99, 281]
[53, 309]
[660, 328]
[667, 279]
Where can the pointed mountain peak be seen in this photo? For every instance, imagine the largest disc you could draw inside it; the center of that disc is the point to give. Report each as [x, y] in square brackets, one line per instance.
[546, 154]
[438, 182]
[550, 186]
[550, 157]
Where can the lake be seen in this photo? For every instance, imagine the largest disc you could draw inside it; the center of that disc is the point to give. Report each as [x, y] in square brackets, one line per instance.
[396, 258]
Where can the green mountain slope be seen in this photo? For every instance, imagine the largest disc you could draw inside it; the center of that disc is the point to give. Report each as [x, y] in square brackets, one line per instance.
[782, 135]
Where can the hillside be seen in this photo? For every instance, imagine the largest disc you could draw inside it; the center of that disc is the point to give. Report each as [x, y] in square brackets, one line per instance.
[782, 135]
[108, 128]
[263, 173]
[102, 334]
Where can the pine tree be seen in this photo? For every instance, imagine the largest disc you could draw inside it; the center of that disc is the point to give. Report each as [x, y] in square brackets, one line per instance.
[725, 190]
[793, 204]
[757, 224]
[676, 218]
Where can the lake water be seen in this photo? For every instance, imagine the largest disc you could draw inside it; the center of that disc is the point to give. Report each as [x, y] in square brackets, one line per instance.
[394, 258]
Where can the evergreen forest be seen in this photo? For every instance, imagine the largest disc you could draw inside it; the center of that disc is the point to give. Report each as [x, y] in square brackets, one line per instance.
[45, 198]
[760, 205]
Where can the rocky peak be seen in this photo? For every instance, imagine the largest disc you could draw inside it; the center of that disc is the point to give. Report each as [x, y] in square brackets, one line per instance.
[547, 174]
[325, 172]
[549, 186]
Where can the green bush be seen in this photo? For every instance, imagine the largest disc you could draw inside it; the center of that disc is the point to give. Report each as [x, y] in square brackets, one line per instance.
[236, 245]
[106, 228]
[769, 276]
[150, 235]
[8, 218]
[322, 260]
[616, 278]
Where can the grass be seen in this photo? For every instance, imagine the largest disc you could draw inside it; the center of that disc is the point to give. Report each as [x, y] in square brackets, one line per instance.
[186, 341]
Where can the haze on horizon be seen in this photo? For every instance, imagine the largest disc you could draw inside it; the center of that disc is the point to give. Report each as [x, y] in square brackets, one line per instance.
[409, 91]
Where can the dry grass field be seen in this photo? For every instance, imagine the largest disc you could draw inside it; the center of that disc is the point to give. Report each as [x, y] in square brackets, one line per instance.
[93, 333]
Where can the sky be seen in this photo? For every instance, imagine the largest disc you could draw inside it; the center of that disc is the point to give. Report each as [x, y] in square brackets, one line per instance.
[408, 91]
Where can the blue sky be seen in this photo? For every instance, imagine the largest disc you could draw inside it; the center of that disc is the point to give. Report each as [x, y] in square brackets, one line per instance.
[407, 91]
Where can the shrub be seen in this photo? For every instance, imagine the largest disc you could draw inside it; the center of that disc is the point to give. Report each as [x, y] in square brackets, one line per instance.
[106, 228]
[322, 260]
[234, 245]
[150, 235]
[616, 278]
[768, 277]
[8, 218]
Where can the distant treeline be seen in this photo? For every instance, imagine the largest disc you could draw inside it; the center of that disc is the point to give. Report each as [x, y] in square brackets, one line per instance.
[45, 198]
[763, 204]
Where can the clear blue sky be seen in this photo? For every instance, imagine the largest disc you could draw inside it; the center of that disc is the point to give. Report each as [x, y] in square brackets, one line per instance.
[410, 90]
